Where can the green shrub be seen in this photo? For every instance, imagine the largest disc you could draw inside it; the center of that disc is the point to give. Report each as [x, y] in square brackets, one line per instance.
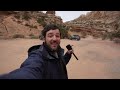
[111, 35]
[18, 36]
[116, 34]
[17, 16]
[26, 17]
[63, 30]
[31, 26]
[41, 21]
[32, 36]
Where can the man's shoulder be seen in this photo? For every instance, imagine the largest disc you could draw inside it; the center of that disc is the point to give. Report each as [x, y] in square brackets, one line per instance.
[33, 48]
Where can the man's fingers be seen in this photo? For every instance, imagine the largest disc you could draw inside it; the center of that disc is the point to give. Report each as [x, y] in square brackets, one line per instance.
[70, 51]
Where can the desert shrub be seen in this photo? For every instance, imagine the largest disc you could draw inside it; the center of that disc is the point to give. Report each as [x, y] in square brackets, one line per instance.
[111, 35]
[17, 16]
[107, 35]
[63, 30]
[31, 26]
[115, 34]
[103, 36]
[26, 17]
[32, 36]
[27, 25]
[83, 35]
[35, 27]
[19, 22]
[18, 36]
[116, 40]
[41, 21]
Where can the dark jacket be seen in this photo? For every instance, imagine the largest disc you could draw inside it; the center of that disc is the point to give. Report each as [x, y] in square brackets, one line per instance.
[41, 64]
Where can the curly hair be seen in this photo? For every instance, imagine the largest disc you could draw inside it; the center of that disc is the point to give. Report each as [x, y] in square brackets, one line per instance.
[49, 27]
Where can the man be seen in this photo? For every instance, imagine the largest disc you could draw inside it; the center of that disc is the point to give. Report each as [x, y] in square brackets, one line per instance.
[46, 62]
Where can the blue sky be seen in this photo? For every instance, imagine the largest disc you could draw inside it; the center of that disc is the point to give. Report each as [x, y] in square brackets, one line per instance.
[69, 15]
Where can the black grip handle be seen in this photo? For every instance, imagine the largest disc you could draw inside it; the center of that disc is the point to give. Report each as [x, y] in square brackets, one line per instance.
[75, 56]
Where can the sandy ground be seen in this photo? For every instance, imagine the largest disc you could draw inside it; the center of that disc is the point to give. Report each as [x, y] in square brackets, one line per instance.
[98, 59]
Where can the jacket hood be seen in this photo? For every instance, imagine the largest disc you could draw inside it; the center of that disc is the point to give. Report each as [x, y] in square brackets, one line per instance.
[35, 47]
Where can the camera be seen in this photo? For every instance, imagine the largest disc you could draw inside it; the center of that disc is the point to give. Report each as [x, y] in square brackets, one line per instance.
[69, 47]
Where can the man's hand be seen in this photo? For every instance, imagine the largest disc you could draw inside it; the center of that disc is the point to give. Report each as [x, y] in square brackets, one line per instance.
[70, 51]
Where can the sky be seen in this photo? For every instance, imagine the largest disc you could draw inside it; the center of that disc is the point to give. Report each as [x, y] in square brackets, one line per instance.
[69, 15]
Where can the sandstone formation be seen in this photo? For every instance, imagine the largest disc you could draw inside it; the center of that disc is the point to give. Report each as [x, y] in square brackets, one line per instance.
[25, 24]
[96, 23]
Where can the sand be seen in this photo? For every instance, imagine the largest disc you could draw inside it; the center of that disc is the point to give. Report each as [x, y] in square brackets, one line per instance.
[98, 59]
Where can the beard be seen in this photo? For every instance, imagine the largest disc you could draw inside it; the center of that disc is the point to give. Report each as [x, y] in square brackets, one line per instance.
[52, 46]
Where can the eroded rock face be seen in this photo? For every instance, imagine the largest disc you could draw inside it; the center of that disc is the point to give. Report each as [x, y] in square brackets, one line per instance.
[96, 21]
[25, 23]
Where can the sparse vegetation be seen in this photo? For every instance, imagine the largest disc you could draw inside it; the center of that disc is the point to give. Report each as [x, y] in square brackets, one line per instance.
[41, 21]
[18, 36]
[27, 24]
[115, 34]
[107, 35]
[32, 36]
[63, 30]
[17, 16]
[25, 21]
[35, 27]
[31, 26]
[111, 35]
[83, 35]
[26, 16]
[19, 21]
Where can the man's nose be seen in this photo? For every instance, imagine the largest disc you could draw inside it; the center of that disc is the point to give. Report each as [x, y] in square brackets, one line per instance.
[54, 37]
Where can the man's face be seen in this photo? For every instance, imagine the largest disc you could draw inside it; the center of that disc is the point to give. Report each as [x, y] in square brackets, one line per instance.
[52, 39]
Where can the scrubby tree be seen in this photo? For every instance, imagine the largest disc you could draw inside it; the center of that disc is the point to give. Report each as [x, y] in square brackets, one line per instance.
[41, 21]
[63, 30]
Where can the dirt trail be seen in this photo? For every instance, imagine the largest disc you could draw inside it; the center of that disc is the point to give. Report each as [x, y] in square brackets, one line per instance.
[97, 58]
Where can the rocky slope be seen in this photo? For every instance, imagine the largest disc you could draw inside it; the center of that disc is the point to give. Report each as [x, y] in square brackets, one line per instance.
[25, 24]
[28, 24]
[96, 22]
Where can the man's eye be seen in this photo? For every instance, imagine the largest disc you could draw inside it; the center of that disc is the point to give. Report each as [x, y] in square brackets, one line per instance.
[50, 35]
[57, 36]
